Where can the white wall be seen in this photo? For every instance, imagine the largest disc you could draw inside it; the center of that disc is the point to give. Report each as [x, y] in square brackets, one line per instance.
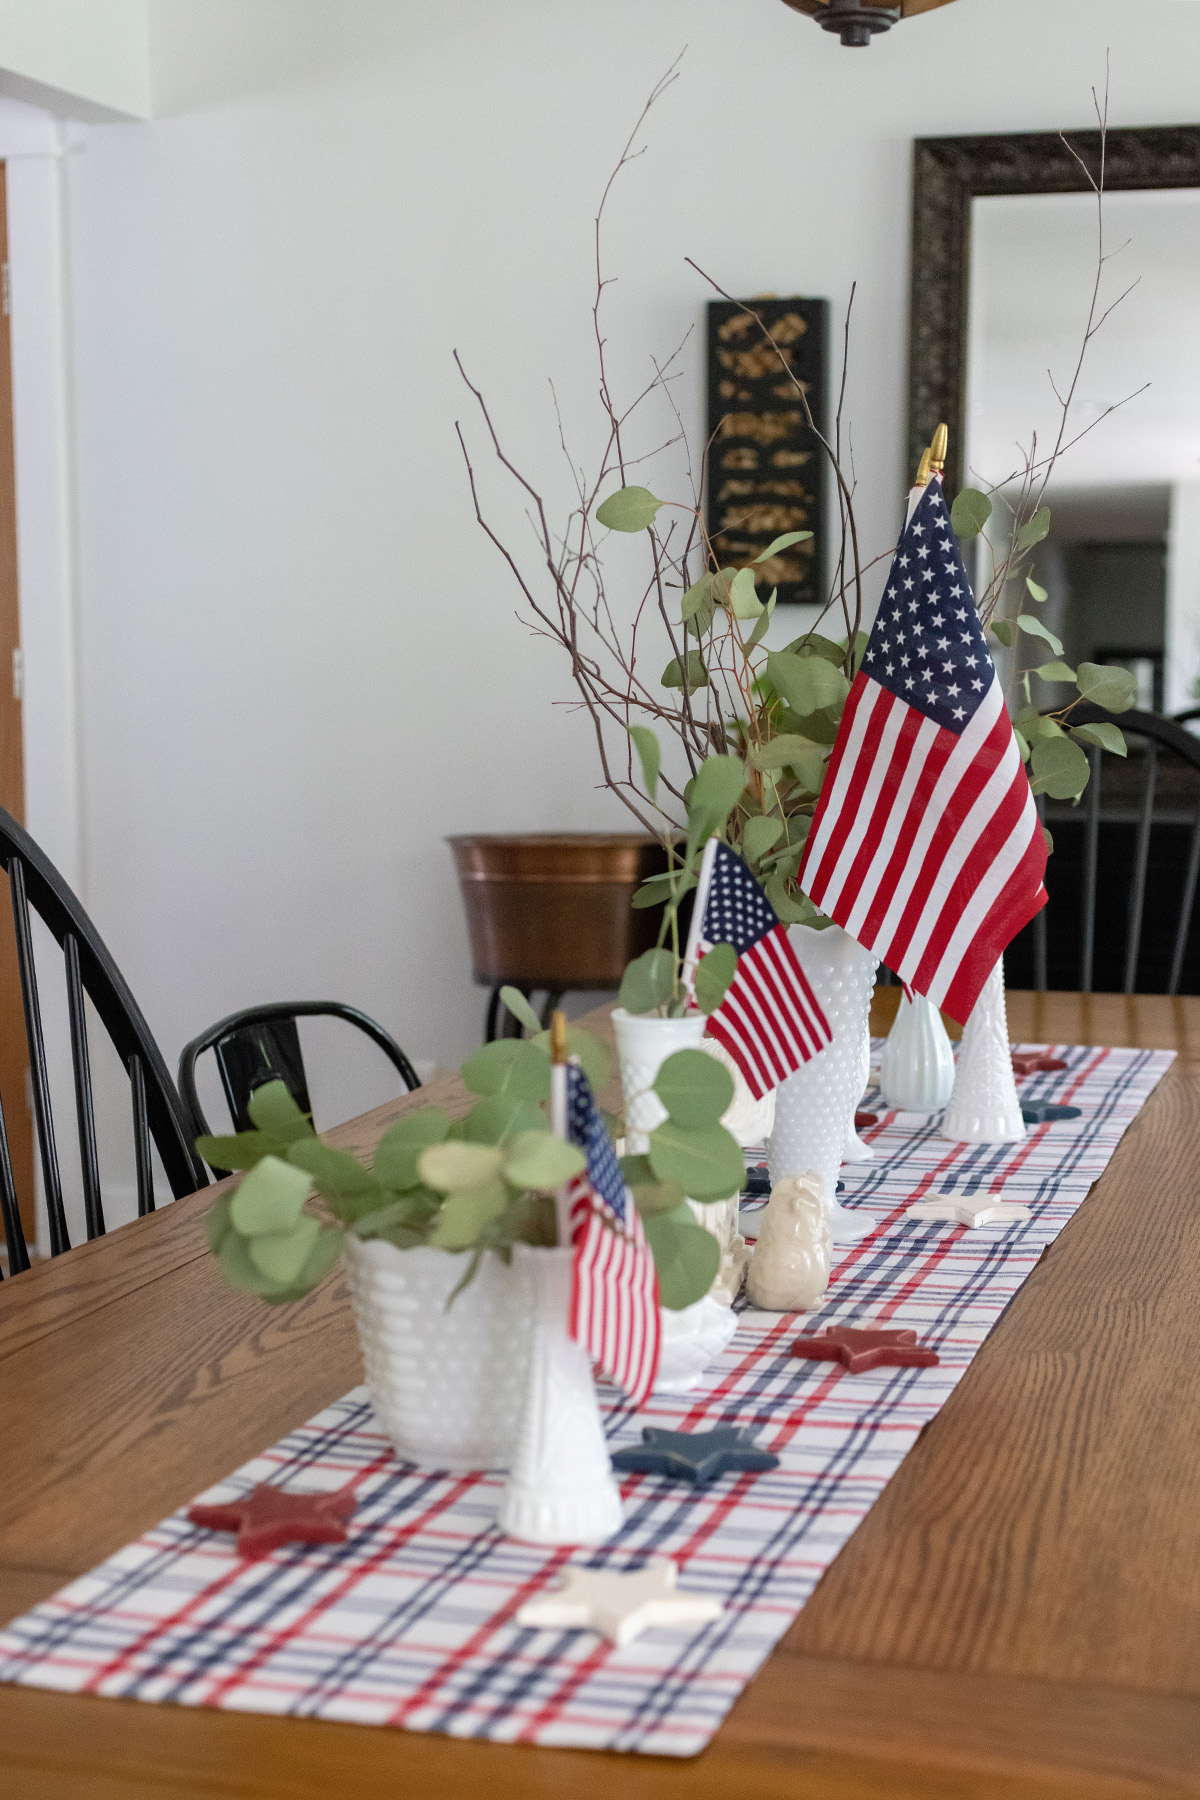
[300, 666]
[78, 58]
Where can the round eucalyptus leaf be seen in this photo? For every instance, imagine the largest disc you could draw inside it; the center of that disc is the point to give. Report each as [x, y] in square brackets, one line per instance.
[520, 1008]
[970, 513]
[695, 1089]
[238, 1269]
[1061, 767]
[1112, 688]
[629, 509]
[396, 1153]
[648, 982]
[467, 1213]
[337, 1174]
[280, 1256]
[714, 973]
[782, 543]
[1104, 736]
[269, 1198]
[806, 682]
[696, 674]
[538, 1159]
[654, 1197]
[685, 1255]
[512, 1066]
[451, 1166]
[1034, 529]
[217, 1223]
[744, 603]
[500, 1116]
[703, 1159]
[716, 788]
[245, 1150]
[272, 1109]
[760, 835]
[593, 1057]
[650, 757]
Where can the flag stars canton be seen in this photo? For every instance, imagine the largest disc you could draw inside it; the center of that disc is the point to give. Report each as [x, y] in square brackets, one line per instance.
[948, 685]
[586, 1128]
[737, 911]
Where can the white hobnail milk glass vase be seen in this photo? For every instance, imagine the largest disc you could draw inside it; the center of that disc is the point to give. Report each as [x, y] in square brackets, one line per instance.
[984, 1107]
[447, 1378]
[561, 1488]
[916, 1070]
[815, 1107]
[643, 1046]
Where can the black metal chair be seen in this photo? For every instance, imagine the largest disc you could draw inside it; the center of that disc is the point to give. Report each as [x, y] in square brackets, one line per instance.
[35, 883]
[1127, 803]
[262, 1043]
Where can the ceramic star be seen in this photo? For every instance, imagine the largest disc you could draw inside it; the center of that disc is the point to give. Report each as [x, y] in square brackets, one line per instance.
[1046, 1112]
[620, 1607]
[972, 1213]
[695, 1456]
[860, 1348]
[268, 1517]
[1035, 1062]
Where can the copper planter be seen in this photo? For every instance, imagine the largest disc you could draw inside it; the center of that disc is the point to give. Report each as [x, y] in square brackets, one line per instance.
[553, 910]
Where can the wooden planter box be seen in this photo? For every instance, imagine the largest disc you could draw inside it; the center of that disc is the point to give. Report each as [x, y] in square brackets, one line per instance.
[553, 910]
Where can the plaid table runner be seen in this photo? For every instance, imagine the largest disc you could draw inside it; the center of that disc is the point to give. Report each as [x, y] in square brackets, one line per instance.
[411, 1622]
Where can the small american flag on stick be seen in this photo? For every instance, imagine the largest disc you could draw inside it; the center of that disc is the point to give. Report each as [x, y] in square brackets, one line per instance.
[926, 844]
[614, 1288]
[770, 1021]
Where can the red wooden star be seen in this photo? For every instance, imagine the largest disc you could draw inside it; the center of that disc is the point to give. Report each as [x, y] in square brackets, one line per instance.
[866, 1348]
[268, 1517]
[864, 1120]
[1035, 1062]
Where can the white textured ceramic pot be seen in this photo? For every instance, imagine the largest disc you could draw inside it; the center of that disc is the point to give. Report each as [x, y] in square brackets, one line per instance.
[447, 1382]
[643, 1046]
[916, 1071]
[984, 1106]
[814, 1108]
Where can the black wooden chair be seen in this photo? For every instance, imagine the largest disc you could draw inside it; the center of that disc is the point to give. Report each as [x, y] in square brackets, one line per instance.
[35, 883]
[1108, 929]
[262, 1044]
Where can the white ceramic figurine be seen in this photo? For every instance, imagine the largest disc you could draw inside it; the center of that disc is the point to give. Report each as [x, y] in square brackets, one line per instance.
[789, 1270]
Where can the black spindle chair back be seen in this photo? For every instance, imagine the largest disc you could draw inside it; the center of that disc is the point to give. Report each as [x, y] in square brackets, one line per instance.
[1159, 734]
[36, 886]
[262, 1043]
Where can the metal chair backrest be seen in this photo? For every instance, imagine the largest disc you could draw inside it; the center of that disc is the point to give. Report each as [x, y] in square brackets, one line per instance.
[34, 883]
[260, 1044]
[1159, 734]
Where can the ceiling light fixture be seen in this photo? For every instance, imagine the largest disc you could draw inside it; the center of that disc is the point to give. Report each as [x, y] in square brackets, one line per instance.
[857, 21]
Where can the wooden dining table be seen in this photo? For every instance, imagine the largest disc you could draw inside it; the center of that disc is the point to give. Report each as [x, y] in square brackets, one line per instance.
[1018, 1615]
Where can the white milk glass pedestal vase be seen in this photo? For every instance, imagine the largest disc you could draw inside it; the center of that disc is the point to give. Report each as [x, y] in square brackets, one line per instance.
[692, 1335]
[447, 1378]
[984, 1107]
[814, 1108]
[561, 1488]
[916, 1071]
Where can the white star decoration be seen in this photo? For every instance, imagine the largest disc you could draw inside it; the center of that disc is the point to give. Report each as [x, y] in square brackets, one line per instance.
[964, 1212]
[620, 1607]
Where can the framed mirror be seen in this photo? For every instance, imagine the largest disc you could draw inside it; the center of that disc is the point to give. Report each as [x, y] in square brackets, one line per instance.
[1004, 263]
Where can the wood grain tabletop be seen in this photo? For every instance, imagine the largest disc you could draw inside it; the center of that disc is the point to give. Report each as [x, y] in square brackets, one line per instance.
[1018, 1617]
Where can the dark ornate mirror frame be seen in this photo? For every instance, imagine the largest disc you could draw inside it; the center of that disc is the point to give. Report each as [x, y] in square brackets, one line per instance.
[947, 175]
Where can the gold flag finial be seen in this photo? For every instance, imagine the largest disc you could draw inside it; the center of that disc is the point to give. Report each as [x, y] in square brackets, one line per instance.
[938, 449]
[922, 470]
[558, 1037]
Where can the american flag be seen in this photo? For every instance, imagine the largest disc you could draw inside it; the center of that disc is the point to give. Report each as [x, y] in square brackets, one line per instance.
[770, 1021]
[926, 844]
[614, 1288]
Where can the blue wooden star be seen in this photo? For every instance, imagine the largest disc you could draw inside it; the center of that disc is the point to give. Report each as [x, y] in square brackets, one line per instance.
[695, 1456]
[1045, 1112]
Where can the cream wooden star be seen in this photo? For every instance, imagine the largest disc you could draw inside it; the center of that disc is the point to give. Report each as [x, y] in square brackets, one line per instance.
[620, 1607]
[969, 1213]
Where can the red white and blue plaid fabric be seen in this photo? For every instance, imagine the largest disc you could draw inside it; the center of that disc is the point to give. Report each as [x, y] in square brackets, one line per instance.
[926, 844]
[614, 1283]
[770, 1021]
[411, 1622]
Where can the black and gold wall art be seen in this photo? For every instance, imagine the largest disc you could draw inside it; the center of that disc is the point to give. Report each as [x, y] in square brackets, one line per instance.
[766, 473]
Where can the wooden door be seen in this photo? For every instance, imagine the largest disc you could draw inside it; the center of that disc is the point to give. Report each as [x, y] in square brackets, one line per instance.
[14, 1060]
